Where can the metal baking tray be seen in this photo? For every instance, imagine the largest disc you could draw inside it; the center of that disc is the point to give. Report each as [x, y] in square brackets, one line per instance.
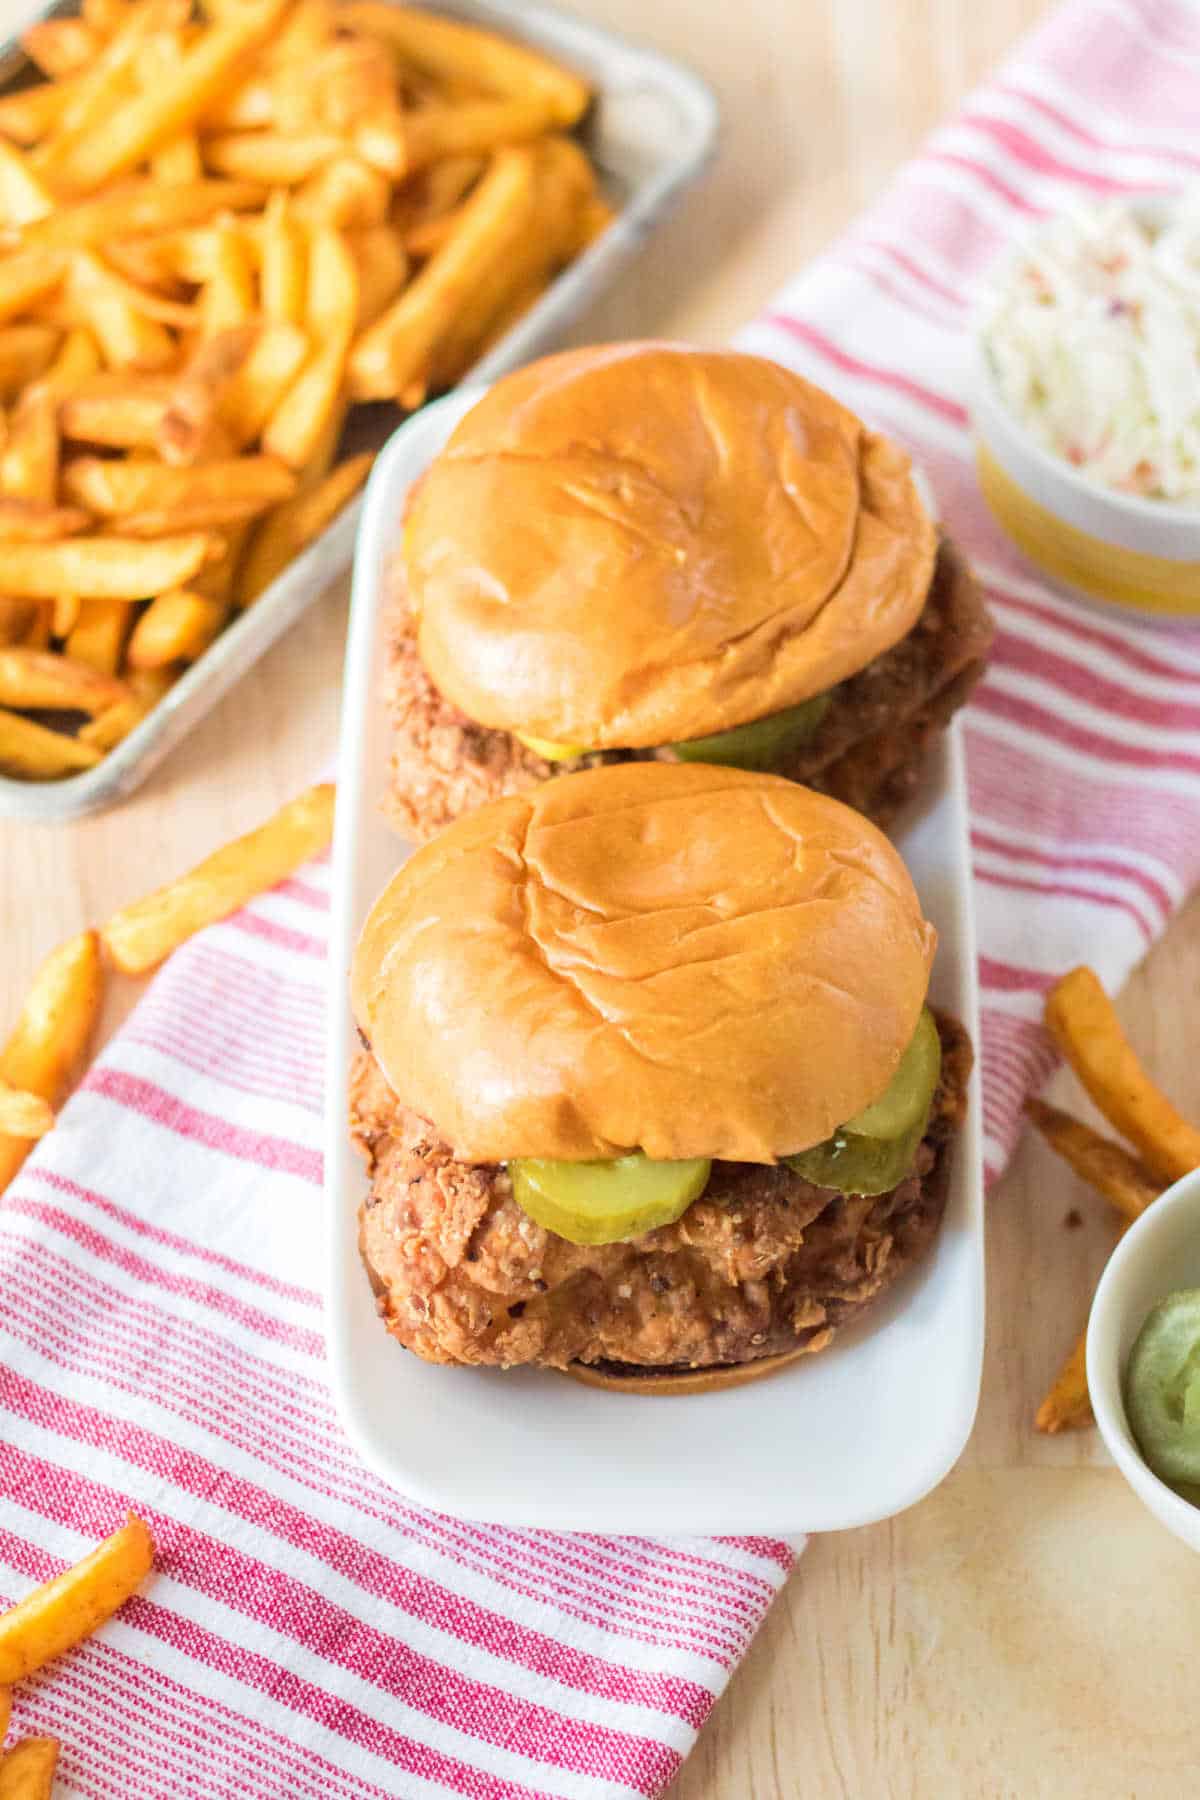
[651, 131]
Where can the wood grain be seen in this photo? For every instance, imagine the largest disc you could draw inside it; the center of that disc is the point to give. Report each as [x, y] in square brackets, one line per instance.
[1027, 1630]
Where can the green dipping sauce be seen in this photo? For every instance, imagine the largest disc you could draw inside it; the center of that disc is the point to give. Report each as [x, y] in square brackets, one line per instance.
[1162, 1388]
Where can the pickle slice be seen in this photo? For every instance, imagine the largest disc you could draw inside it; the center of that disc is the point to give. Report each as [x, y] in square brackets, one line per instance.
[858, 1165]
[761, 743]
[606, 1202]
[907, 1096]
[1162, 1388]
[549, 751]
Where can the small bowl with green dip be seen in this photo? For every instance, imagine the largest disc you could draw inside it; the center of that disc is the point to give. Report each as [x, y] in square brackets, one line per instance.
[1143, 1358]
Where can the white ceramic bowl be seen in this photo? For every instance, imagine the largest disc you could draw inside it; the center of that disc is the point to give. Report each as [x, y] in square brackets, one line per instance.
[1120, 548]
[1158, 1255]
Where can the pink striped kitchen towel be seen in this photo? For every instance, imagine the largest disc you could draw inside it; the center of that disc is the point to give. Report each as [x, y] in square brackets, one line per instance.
[308, 1632]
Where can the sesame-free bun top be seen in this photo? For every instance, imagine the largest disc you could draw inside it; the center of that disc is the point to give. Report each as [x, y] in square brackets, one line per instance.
[641, 543]
[685, 960]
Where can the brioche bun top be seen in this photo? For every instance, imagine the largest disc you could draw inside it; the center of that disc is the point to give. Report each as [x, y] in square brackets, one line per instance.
[641, 543]
[681, 959]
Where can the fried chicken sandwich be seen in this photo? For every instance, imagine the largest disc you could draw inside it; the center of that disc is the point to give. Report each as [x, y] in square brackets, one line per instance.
[649, 1088]
[646, 552]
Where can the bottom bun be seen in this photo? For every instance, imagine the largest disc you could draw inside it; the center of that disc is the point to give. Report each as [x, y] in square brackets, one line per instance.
[627, 1378]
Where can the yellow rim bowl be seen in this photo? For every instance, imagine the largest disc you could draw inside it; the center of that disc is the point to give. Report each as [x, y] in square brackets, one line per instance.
[1152, 584]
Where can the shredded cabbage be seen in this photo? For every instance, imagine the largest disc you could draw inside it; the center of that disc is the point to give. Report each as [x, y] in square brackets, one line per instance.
[1094, 341]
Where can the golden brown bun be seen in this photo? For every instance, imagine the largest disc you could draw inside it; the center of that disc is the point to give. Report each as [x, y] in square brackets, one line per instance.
[687, 960]
[639, 544]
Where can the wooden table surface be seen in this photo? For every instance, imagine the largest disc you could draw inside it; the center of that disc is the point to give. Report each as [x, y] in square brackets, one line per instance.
[1028, 1630]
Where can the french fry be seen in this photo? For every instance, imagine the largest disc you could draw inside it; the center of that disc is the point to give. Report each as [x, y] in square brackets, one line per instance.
[399, 347]
[358, 80]
[99, 633]
[77, 359]
[16, 617]
[103, 568]
[26, 351]
[1067, 1407]
[85, 159]
[453, 51]
[48, 1047]
[62, 1612]
[280, 160]
[27, 1769]
[229, 297]
[253, 393]
[60, 46]
[283, 270]
[286, 531]
[24, 1115]
[38, 632]
[32, 679]
[109, 487]
[1103, 1164]
[177, 627]
[191, 430]
[35, 753]
[140, 206]
[113, 726]
[122, 411]
[346, 194]
[38, 521]
[296, 425]
[402, 147]
[65, 616]
[382, 271]
[27, 115]
[1084, 1025]
[26, 276]
[142, 935]
[29, 462]
[23, 197]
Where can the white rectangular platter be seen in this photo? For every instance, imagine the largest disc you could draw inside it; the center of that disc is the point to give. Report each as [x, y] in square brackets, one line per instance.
[836, 1440]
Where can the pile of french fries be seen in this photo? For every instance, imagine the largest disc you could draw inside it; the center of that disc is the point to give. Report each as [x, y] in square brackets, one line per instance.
[1085, 1028]
[49, 1622]
[221, 226]
[48, 1048]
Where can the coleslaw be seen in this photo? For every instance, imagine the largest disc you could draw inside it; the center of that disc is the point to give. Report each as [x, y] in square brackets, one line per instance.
[1093, 338]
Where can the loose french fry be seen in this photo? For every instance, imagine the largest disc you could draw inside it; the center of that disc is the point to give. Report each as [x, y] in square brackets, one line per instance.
[23, 198]
[85, 159]
[110, 487]
[359, 80]
[1084, 1025]
[22, 1114]
[60, 46]
[284, 253]
[138, 207]
[295, 427]
[250, 396]
[191, 430]
[286, 531]
[382, 271]
[48, 1047]
[26, 351]
[38, 521]
[177, 627]
[39, 631]
[102, 568]
[62, 1612]
[1103, 1164]
[398, 348]
[27, 1769]
[197, 515]
[302, 35]
[32, 679]
[89, 277]
[29, 462]
[451, 50]
[275, 158]
[78, 358]
[27, 115]
[178, 161]
[1067, 1407]
[98, 636]
[35, 753]
[123, 411]
[66, 614]
[142, 935]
